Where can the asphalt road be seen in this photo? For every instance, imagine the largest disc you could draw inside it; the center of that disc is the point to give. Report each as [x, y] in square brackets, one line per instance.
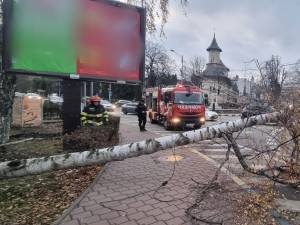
[253, 136]
[132, 120]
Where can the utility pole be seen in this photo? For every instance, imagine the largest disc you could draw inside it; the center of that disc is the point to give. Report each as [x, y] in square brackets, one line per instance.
[182, 66]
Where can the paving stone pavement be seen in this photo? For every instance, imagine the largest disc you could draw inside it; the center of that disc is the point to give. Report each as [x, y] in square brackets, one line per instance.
[121, 182]
[130, 133]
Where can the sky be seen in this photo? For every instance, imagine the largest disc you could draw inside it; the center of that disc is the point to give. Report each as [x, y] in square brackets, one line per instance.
[245, 30]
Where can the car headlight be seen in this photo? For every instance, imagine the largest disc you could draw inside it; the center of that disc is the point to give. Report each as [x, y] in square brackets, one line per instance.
[175, 120]
[113, 106]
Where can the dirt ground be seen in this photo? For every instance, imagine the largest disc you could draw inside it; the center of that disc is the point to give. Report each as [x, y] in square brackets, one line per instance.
[40, 199]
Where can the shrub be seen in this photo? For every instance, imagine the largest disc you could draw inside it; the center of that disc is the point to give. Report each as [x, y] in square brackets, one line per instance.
[87, 138]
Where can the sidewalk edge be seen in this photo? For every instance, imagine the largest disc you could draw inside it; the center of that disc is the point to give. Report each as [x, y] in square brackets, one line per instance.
[81, 196]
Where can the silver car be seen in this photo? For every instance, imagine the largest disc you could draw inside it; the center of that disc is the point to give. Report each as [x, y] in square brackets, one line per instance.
[108, 106]
[129, 108]
[210, 115]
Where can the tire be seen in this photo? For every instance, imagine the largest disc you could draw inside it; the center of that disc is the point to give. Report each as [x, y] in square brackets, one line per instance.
[125, 112]
[198, 126]
[167, 125]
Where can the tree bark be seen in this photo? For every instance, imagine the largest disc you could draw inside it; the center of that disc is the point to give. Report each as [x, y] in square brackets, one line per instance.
[117, 153]
[7, 92]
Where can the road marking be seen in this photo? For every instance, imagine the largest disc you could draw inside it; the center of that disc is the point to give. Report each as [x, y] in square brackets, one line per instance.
[236, 179]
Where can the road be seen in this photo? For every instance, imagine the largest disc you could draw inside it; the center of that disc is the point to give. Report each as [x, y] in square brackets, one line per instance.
[131, 120]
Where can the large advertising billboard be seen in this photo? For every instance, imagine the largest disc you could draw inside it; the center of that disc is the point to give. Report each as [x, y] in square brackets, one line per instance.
[97, 39]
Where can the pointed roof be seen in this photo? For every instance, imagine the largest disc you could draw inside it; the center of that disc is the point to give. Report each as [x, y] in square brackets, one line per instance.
[214, 45]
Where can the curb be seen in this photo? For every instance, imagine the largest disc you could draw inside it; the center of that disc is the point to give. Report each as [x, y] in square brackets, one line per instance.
[229, 114]
[278, 218]
[67, 211]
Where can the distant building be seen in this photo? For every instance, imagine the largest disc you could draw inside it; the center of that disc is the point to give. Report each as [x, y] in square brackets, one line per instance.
[244, 85]
[216, 84]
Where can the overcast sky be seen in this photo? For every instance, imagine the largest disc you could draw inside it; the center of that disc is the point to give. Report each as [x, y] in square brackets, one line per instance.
[244, 30]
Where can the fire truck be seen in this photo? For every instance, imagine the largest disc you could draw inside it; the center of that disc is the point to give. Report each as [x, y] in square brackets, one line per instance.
[176, 106]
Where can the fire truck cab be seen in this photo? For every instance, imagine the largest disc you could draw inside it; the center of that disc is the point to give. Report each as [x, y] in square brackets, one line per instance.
[176, 106]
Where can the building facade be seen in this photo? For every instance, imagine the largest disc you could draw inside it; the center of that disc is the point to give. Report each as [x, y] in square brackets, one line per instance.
[216, 85]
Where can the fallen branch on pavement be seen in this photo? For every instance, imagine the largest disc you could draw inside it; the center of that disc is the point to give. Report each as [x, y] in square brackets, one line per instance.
[117, 153]
[272, 172]
[203, 191]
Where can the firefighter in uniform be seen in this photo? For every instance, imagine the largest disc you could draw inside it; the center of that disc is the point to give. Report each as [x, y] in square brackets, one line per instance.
[94, 113]
[141, 111]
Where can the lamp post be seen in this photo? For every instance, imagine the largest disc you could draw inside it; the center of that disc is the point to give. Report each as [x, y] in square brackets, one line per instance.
[172, 50]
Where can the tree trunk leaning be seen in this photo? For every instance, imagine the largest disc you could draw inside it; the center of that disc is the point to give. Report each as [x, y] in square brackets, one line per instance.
[7, 93]
[117, 153]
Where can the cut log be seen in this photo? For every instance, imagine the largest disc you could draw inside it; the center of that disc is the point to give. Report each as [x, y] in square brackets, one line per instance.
[117, 153]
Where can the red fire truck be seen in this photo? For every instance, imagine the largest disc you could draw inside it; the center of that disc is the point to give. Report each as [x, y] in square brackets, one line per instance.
[176, 106]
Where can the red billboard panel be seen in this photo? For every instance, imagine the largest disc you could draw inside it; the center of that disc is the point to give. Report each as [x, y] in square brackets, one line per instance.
[109, 41]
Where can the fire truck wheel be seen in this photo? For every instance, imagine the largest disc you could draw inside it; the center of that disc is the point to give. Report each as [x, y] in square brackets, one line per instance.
[167, 125]
[197, 126]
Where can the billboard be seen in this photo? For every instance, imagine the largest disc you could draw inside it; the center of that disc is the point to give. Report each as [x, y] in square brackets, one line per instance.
[90, 39]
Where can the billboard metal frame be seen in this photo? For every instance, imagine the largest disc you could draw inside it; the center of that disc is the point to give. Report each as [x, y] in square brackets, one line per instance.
[6, 56]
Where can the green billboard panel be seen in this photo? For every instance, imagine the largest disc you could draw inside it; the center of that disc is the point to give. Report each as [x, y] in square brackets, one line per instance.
[91, 39]
[42, 36]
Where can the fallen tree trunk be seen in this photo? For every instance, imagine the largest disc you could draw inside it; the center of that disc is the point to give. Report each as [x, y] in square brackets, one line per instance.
[117, 153]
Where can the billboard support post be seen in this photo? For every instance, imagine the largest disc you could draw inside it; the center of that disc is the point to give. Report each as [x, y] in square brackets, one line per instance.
[92, 88]
[109, 92]
[72, 105]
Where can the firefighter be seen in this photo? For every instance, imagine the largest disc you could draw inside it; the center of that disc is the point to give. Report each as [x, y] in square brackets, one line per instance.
[141, 111]
[94, 113]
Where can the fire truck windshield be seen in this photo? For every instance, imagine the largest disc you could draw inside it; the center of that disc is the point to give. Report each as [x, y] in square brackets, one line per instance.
[189, 98]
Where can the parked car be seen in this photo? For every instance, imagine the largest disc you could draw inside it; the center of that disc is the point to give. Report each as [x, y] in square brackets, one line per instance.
[129, 108]
[122, 102]
[255, 109]
[108, 105]
[210, 115]
[54, 98]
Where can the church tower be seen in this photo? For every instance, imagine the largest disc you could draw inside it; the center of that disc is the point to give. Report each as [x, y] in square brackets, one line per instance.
[215, 66]
[214, 51]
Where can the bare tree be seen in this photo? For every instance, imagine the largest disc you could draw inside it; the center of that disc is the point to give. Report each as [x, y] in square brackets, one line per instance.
[273, 75]
[156, 10]
[157, 62]
[197, 65]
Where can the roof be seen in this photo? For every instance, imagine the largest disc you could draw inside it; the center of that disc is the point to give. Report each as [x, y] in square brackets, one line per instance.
[215, 69]
[220, 78]
[214, 45]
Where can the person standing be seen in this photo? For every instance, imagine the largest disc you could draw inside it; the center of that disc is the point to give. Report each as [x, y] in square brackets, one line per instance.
[94, 113]
[141, 111]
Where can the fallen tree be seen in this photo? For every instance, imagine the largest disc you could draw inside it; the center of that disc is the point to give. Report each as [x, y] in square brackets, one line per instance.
[117, 153]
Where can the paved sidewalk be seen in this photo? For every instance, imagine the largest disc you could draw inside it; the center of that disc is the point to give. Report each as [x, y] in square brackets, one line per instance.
[121, 180]
[131, 133]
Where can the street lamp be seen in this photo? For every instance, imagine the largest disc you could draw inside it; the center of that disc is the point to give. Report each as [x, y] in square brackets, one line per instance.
[172, 50]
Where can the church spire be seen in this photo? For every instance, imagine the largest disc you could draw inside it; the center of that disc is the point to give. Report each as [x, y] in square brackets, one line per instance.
[214, 45]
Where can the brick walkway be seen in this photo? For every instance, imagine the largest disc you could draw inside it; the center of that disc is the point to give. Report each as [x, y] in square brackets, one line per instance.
[139, 175]
[131, 133]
